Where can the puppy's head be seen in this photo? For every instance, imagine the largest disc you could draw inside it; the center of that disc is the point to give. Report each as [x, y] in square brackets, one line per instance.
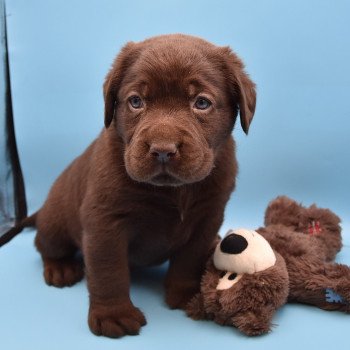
[174, 99]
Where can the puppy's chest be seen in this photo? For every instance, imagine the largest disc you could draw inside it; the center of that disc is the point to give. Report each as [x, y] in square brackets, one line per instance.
[156, 234]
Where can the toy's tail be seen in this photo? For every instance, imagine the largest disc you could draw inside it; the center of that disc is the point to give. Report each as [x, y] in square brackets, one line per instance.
[14, 231]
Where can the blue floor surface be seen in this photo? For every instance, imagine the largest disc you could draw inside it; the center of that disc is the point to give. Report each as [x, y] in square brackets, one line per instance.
[34, 316]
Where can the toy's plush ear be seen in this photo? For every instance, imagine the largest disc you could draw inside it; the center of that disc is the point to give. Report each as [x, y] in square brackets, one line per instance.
[241, 86]
[243, 251]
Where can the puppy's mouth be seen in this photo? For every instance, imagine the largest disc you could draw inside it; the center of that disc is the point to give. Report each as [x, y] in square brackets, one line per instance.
[165, 179]
[189, 164]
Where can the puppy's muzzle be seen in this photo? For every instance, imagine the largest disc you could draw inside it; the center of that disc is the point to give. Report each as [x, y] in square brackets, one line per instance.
[163, 152]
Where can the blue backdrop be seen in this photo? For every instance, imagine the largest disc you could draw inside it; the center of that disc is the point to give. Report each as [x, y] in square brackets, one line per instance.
[297, 52]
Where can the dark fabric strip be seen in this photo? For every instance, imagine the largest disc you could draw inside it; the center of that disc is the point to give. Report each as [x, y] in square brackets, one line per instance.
[18, 182]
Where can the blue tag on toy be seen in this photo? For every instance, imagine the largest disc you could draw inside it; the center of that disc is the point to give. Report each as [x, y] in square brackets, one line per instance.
[333, 297]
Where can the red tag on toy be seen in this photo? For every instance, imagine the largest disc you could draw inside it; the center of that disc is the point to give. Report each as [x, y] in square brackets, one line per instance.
[314, 228]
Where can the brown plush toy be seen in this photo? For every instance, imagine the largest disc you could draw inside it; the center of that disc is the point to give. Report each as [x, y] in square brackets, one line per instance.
[253, 273]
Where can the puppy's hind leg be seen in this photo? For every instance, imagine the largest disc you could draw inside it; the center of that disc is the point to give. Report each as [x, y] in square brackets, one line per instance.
[62, 265]
[63, 272]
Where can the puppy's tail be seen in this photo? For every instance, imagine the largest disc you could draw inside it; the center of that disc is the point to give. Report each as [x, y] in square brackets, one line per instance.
[29, 221]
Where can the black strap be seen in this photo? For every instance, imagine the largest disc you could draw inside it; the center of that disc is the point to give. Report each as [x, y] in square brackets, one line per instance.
[20, 209]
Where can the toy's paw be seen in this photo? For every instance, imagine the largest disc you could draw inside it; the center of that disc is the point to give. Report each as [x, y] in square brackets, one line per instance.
[255, 330]
[253, 324]
[325, 225]
[177, 296]
[63, 272]
[195, 308]
[338, 300]
[322, 215]
[343, 289]
[115, 321]
[321, 220]
[333, 297]
[283, 211]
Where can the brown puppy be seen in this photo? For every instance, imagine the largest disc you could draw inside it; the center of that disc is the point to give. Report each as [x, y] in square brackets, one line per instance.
[154, 184]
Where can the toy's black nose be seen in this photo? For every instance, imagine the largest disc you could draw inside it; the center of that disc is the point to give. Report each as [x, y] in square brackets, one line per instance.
[233, 244]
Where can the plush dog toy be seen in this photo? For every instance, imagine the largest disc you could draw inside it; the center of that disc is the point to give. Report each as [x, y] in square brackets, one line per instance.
[253, 273]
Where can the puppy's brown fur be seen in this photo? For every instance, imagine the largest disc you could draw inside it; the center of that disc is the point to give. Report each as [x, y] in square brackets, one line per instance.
[120, 205]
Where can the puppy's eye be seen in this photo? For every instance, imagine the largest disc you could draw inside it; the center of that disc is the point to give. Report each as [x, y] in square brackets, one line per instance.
[135, 102]
[202, 103]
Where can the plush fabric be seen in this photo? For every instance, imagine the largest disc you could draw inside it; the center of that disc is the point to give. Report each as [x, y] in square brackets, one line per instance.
[305, 242]
[257, 255]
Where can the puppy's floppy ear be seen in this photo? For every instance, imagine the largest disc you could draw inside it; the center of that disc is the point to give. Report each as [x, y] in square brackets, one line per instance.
[241, 86]
[114, 78]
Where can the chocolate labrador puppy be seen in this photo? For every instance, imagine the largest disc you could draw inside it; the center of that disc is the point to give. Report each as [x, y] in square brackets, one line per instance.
[153, 186]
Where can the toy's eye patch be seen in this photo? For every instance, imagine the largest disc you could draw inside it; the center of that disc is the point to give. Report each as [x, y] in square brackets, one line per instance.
[232, 276]
[223, 273]
[227, 280]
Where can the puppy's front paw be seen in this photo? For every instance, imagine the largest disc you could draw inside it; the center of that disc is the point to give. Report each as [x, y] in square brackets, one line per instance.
[115, 320]
[177, 296]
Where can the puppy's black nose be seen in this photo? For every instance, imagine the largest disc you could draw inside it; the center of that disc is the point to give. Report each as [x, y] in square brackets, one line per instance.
[233, 244]
[163, 152]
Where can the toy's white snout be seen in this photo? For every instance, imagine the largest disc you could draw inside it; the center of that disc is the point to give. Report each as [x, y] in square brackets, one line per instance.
[243, 251]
